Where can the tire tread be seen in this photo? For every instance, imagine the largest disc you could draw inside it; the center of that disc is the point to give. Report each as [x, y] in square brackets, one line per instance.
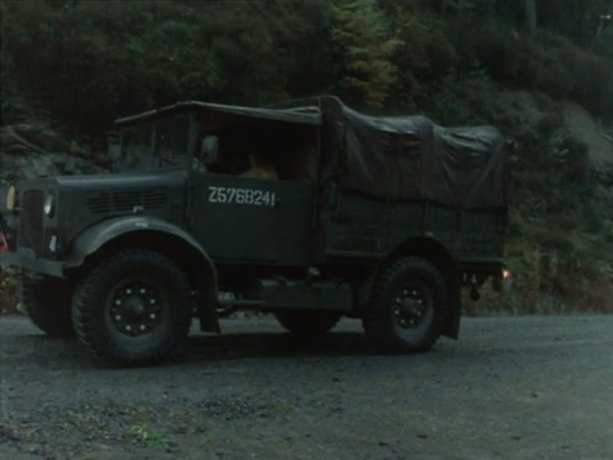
[51, 314]
[376, 322]
[86, 314]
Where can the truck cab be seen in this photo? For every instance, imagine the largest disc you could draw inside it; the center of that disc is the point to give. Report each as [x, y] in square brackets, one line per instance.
[307, 210]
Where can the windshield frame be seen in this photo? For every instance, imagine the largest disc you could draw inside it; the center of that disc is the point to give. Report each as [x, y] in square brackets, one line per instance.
[150, 155]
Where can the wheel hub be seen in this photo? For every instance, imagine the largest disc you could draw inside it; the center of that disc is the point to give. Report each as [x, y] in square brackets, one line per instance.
[410, 307]
[135, 308]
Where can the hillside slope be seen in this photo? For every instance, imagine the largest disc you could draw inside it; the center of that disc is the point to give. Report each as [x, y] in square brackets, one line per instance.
[547, 84]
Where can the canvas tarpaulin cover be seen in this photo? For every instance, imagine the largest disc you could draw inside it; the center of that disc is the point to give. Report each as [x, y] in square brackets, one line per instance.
[394, 158]
[411, 158]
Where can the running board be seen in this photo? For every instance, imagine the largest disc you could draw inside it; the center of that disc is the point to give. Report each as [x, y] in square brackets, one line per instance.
[284, 294]
[303, 295]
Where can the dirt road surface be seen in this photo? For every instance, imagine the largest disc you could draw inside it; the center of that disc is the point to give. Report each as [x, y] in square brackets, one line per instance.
[511, 388]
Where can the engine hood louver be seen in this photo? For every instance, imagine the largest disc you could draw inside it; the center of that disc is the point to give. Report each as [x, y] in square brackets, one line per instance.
[125, 201]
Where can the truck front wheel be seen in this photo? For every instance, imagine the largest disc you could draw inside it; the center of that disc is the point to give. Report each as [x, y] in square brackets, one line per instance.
[307, 322]
[134, 307]
[407, 306]
[47, 303]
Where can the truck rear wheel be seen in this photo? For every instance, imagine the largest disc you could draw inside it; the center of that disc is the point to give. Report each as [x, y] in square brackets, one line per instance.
[134, 307]
[47, 302]
[407, 306]
[308, 323]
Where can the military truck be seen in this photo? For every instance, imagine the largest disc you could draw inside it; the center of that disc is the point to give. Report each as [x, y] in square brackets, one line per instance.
[384, 219]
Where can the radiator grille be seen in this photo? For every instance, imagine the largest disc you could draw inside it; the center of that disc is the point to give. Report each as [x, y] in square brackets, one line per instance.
[31, 228]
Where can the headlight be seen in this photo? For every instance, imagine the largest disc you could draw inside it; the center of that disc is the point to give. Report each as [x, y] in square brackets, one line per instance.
[49, 206]
[10, 198]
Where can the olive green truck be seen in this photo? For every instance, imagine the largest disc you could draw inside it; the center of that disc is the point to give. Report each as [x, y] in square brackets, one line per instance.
[307, 210]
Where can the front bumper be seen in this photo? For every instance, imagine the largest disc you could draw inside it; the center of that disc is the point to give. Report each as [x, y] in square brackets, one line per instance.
[29, 263]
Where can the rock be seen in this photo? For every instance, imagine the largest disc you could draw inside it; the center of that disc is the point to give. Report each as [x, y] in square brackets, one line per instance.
[32, 149]
[44, 166]
[70, 166]
[6, 139]
[103, 161]
[15, 149]
[77, 150]
[41, 136]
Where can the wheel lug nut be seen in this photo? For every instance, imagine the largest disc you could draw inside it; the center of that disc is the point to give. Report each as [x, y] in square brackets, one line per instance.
[128, 328]
[118, 302]
[143, 290]
[128, 291]
[152, 316]
[142, 327]
[117, 317]
[151, 301]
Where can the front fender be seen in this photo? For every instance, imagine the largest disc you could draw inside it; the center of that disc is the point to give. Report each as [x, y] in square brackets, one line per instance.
[96, 236]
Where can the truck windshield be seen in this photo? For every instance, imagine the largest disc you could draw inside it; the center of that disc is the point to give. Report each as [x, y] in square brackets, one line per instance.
[162, 144]
[172, 142]
[136, 148]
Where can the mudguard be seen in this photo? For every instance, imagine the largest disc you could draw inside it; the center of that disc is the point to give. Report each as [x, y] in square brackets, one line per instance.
[96, 236]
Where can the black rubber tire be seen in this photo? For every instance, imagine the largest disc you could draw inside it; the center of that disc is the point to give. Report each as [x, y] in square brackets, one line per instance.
[308, 322]
[47, 302]
[381, 321]
[92, 308]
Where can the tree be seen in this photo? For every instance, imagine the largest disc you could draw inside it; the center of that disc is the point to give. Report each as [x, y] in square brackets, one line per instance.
[576, 19]
[362, 33]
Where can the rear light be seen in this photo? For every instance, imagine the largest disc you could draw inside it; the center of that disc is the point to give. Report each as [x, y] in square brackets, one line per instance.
[502, 281]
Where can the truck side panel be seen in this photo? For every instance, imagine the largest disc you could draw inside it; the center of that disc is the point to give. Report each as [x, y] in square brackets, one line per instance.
[356, 225]
[245, 220]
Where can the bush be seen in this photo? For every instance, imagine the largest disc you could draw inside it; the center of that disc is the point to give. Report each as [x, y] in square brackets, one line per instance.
[93, 61]
[8, 299]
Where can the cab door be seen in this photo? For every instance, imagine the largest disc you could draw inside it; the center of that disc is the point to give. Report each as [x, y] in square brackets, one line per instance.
[252, 220]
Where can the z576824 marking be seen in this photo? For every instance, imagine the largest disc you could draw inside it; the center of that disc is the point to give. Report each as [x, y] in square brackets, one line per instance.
[246, 196]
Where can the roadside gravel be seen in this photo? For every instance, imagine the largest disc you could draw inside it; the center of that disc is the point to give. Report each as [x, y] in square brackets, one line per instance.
[511, 388]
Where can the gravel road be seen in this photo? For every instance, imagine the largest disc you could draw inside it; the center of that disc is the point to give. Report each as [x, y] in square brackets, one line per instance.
[511, 388]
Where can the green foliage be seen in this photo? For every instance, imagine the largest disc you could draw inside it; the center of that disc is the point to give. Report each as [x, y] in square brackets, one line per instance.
[91, 61]
[102, 59]
[456, 60]
[467, 97]
[8, 302]
[562, 225]
[424, 56]
[576, 19]
[362, 33]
